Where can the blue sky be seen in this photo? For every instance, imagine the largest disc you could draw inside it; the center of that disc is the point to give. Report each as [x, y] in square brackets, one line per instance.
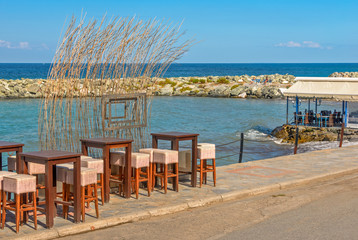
[255, 31]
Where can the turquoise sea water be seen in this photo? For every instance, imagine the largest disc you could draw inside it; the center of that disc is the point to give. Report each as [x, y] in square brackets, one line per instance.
[40, 70]
[217, 120]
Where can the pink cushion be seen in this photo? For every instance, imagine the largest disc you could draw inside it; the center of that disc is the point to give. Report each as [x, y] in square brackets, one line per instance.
[93, 163]
[5, 173]
[88, 176]
[33, 168]
[138, 160]
[206, 151]
[117, 158]
[165, 156]
[150, 151]
[19, 183]
[61, 170]
[83, 157]
[11, 163]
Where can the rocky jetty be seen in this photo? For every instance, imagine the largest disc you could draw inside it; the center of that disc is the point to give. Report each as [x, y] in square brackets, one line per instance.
[313, 134]
[244, 86]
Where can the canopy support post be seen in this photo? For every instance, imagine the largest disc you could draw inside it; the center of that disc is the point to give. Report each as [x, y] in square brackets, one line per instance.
[316, 106]
[297, 108]
[287, 111]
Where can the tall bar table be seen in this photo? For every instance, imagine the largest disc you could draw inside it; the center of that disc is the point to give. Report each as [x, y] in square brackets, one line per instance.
[175, 138]
[106, 144]
[10, 147]
[51, 159]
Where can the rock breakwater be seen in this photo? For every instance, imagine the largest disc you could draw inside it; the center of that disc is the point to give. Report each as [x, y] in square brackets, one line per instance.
[244, 86]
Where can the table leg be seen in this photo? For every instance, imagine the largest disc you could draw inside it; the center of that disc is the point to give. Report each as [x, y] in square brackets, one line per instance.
[84, 149]
[49, 194]
[154, 142]
[175, 146]
[194, 161]
[128, 172]
[77, 189]
[106, 174]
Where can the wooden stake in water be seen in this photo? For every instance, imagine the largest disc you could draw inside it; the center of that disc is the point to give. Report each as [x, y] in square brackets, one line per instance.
[241, 147]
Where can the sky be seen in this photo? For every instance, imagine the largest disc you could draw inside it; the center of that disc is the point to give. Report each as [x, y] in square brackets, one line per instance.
[226, 31]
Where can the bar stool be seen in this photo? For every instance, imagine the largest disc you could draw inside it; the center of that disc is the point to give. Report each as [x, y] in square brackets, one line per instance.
[2, 174]
[88, 178]
[138, 162]
[150, 151]
[164, 158]
[19, 184]
[206, 151]
[98, 165]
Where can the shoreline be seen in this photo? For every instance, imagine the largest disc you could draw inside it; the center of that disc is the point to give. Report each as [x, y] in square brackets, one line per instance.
[243, 86]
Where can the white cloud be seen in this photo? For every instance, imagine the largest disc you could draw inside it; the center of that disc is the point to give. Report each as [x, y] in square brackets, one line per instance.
[9, 45]
[44, 46]
[304, 44]
[5, 44]
[289, 44]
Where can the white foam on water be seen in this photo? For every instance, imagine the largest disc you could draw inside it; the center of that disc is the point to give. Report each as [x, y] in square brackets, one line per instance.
[256, 135]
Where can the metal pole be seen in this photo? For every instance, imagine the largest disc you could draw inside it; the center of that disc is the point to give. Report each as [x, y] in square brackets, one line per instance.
[309, 105]
[287, 111]
[297, 108]
[346, 114]
[241, 147]
[296, 141]
[316, 107]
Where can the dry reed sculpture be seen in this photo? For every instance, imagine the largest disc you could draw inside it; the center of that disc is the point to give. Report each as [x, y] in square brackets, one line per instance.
[98, 81]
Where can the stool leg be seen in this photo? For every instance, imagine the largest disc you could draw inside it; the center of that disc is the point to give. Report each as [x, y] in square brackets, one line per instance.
[34, 196]
[17, 211]
[205, 173]
[201, 172]
[153, 171]
[65, 192]
[102, 192]
[83, 203]
[214, 172]
[3, 209]
[96, 200]
[177, 177]
[149, 178]
[136, 182]
[165, 177]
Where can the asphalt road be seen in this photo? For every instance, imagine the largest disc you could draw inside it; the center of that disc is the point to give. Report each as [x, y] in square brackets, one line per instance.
[324, 210]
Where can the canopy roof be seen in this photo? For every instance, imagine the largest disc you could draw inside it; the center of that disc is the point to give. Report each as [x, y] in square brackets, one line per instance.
[340, 89]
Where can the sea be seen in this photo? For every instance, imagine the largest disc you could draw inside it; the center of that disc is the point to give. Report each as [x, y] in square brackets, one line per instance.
[217, 120]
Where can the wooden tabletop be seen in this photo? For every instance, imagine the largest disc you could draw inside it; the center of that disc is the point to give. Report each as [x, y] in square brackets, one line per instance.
[50, 155]
[174, 134]
[107, 140]
[10, 144]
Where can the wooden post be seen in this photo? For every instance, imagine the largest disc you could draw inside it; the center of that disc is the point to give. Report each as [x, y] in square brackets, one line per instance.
[342, 133]
[241, 147]
[287, 111]
[296, 141]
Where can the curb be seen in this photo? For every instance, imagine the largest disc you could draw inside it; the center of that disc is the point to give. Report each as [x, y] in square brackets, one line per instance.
[142, 215]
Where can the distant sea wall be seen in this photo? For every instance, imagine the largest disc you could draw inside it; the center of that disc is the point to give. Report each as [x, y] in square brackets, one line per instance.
[244, 86]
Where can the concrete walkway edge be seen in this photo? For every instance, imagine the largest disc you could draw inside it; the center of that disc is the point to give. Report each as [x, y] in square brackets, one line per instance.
[142, 215]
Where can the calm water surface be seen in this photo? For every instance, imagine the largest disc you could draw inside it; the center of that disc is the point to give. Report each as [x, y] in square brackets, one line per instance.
[217, 120]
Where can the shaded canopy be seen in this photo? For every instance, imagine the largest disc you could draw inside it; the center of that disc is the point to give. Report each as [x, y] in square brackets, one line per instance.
[340, 89]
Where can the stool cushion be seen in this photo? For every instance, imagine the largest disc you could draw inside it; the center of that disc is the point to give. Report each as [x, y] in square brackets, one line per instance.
[117, 158]
[206, 145]
[138, 160]
[206, 151]
[19, 183]
[88, 176]
[11, 163]
[61, 170]
[5, 173]
[149, 151]
[33, 168]
[93, 163]
[83, 157]
[165, 156]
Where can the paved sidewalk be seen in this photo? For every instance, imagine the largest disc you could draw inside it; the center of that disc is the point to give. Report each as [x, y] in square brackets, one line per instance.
[233, 182]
